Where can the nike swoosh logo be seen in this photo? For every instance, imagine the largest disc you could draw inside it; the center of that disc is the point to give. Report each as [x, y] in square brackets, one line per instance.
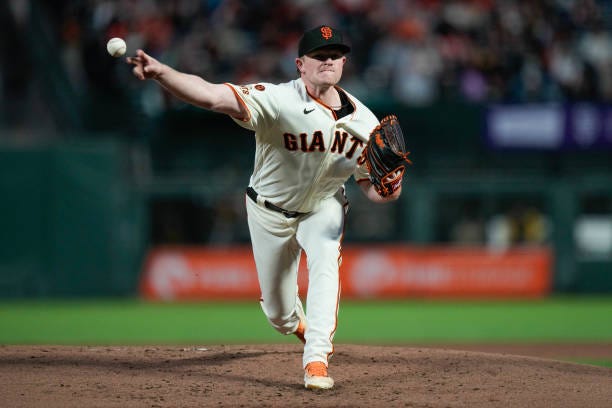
[307, 111]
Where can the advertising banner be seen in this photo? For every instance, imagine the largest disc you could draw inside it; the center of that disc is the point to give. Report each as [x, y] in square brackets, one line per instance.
[382, 271]
[397, 271]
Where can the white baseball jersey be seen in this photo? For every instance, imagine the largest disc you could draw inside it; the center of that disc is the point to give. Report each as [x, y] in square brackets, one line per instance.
[302, 153]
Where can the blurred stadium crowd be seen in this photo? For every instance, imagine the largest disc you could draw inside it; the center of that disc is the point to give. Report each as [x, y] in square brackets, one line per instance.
[55, 71]
[417, 51]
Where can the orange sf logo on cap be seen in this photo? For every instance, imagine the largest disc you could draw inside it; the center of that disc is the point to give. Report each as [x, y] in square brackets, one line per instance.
[326, 32]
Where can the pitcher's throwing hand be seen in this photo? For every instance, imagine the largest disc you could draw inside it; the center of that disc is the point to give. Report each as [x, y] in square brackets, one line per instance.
[145, 66]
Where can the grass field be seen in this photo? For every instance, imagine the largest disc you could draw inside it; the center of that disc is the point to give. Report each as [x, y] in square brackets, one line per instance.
[90, 322]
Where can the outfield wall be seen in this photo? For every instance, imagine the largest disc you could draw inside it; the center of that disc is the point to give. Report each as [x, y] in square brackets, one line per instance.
[71, 221]
[75, 220]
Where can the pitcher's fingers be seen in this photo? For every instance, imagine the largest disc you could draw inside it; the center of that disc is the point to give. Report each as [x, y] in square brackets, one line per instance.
[138, 72]
[134, 60]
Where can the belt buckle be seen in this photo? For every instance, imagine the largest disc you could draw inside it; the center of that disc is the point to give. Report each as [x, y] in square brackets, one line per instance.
[289, 214]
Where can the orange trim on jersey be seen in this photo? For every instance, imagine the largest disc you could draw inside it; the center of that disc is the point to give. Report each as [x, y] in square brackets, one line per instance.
[349, 99]
[331, 335]
[329, 107]
[320, 102]
[241, 101]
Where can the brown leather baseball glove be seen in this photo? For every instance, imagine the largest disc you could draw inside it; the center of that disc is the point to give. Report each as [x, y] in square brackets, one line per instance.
[386, 156]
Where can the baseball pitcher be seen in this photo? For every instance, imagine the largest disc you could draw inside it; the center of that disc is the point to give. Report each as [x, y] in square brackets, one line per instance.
[311, 136]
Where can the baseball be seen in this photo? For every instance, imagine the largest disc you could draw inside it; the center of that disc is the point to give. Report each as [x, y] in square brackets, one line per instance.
[116, 47]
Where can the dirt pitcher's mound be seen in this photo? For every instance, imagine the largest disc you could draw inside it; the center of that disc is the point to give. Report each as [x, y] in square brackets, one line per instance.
[271, 376]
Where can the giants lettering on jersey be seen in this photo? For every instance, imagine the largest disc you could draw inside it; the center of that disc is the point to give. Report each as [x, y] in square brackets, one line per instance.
[316, 142]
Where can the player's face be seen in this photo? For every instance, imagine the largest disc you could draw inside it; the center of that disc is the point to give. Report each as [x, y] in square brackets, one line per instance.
[322, 67]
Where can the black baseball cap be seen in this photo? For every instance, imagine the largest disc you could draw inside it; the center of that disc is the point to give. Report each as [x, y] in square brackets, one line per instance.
[319, 37]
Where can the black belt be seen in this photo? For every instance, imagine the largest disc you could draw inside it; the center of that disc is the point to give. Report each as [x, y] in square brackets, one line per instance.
[289, 214]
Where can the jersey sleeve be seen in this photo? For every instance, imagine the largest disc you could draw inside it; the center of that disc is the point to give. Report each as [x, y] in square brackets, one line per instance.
[260, 103]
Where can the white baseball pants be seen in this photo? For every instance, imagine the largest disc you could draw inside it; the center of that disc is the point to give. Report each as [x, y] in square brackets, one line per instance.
[277, 243]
